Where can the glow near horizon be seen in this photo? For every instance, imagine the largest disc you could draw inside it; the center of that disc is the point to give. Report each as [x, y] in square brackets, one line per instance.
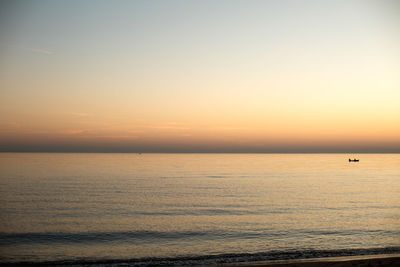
[200, 76]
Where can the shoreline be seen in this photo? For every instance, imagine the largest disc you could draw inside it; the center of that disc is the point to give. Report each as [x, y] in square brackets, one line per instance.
[387, 259]
[362, 260]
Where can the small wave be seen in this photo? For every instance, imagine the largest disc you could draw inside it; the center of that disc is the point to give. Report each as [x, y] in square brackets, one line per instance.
[217, 259]
[7, 239]
[202, 212]
[49, 238]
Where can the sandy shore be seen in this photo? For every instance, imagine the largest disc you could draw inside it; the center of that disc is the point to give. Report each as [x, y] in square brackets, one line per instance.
[353, 261]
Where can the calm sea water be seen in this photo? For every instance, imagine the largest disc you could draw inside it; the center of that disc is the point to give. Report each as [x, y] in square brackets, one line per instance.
[130, 206]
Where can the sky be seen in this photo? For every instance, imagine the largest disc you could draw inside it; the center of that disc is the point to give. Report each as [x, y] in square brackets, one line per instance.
[200, 76]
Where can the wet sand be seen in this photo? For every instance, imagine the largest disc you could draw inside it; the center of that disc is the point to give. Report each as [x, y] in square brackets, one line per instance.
[350, 261]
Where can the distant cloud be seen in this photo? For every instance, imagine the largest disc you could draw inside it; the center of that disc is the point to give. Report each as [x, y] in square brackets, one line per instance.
[62, 132]
[79, 114]
[9, 123]
[170, 127]
[9, 126]
[231, 128]
[110, 136]
[72, 132]
[37, 50]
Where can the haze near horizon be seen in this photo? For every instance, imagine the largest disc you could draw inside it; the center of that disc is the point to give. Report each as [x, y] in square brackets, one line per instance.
[199, 76]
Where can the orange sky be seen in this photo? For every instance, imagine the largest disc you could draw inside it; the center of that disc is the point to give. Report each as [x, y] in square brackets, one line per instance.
[200, 76]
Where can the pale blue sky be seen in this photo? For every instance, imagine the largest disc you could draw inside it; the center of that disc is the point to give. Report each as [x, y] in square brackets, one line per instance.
[239, 63]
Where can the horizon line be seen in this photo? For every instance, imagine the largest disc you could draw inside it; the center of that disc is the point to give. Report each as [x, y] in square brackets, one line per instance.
[195, 152]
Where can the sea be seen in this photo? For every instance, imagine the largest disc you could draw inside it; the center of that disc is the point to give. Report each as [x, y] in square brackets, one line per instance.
[188, 209]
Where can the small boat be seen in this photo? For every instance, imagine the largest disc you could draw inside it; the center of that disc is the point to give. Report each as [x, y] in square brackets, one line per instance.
[354, 160]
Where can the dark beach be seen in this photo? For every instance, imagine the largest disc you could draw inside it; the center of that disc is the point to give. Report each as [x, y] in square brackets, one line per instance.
[353, 261]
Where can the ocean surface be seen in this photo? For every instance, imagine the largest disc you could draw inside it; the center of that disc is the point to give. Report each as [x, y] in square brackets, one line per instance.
[196, 208]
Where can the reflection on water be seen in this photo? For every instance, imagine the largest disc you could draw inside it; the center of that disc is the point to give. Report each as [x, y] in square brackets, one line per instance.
[93, 206]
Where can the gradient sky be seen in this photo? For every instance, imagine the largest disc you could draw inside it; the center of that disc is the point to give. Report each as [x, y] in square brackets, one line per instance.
[200, 76]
